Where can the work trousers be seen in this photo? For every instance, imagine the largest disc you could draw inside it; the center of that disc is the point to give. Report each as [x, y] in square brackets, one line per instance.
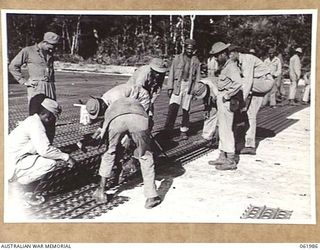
[254, 106]
[184, 100]
[293, 89]
[225, 117]
[32, 168]
[210, 124]
[136, 126]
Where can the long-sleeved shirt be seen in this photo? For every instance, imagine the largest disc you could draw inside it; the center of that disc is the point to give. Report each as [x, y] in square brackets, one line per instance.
[274, 65]
[40, 67]
[229, 79]
[295, 68]
[127, 91]
[251, 67]
[30, 138]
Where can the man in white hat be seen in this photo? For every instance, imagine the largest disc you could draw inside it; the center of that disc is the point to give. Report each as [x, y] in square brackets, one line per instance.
[39, 61]
[127, 117]
[295, 74]
[256, 81]
[274, 63]
[184, 73]
[151, 78]
[30, 153]
[212, 65]
[229, 85]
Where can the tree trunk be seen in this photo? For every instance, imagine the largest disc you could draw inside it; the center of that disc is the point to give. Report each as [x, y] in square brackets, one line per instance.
[192, 17]
[150, 24]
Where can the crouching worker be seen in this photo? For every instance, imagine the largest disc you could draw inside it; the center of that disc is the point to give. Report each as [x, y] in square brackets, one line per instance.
[30, 152]
[126, 116]
[206, 89]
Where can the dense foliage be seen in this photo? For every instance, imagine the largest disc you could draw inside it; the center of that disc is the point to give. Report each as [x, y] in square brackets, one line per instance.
[133, 39]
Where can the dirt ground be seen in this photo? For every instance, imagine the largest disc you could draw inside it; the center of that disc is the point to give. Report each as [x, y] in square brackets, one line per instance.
[279, 176]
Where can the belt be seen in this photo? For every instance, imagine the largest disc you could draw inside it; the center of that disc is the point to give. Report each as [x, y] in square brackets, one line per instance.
[263, 76]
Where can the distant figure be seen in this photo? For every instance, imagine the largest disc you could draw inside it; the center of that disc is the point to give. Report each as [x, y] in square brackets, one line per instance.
[184, 73]
[212, 65]
[274, 64]
[252, 52]
[306, 93]
[39, 61]
[295, 74]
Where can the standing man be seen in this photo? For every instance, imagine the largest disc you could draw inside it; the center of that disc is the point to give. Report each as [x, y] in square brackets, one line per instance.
[118, 122]
[39, 61]
[30, 152]
[151, 78]
[274, 63]
[256, 82]
[295, 74]
[184, 73]
[229, 84]
[212, 65]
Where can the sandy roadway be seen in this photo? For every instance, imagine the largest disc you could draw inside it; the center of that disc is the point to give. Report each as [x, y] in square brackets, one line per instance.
[279, 176]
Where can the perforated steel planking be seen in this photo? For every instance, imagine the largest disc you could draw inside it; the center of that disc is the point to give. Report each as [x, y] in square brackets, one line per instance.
[264, 212]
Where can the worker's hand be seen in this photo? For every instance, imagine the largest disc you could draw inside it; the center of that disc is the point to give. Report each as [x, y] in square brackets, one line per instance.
[71, 162]
[170, 92]
[31, 83]
[97, 134]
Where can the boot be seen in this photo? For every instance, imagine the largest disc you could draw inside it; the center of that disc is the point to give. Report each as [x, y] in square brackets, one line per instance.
[221, 159]
[229, 164]
[152, 202]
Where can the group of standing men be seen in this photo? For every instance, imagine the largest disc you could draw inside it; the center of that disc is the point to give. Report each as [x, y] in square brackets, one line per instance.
[236, 83]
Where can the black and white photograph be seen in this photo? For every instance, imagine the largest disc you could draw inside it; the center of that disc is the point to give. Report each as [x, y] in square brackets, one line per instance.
[159, 116]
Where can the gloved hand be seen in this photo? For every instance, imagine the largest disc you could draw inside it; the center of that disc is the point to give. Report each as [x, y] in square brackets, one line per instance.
[170, 92]
[71, 162]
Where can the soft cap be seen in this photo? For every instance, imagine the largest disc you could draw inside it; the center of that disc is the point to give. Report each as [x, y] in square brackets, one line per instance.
[52, 106]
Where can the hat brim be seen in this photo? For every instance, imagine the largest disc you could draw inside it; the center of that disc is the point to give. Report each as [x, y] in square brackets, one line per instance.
[158, 69]
[95, 116]
[212, 52]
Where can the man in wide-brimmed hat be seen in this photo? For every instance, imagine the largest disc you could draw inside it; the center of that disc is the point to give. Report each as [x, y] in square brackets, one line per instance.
[184, 73]
[39, 61]
[295, 74]
[229, 85]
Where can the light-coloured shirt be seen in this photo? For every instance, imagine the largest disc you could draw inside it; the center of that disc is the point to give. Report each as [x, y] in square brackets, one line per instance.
[251, 67]
[30, 138]
[229, 79]
[126, 90]
[295, 68]
[274, 65]
[212, 65]
[40, 66]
